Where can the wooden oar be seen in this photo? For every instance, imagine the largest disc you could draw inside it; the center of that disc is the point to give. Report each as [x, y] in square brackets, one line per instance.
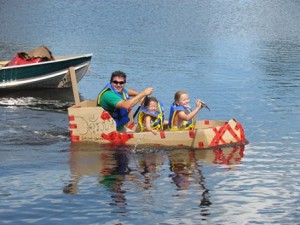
[74, 85]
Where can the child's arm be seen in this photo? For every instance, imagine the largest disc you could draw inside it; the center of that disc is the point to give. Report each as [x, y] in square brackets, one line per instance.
[147, 125]
[183, 116]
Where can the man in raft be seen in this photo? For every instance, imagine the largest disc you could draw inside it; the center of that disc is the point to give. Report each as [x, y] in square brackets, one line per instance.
[116, 100]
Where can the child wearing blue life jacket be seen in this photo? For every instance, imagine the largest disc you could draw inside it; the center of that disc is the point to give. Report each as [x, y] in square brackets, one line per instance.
[182, 117]
[151, 115]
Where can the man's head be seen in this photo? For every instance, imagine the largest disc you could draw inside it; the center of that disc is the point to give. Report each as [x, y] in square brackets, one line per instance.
[118, 80]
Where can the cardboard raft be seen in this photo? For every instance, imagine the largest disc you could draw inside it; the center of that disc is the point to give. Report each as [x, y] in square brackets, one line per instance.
[89, 123]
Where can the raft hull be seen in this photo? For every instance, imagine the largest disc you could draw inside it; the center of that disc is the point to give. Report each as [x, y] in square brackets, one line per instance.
[89, 123]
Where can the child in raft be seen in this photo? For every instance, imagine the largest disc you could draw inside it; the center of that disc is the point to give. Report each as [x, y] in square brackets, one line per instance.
[151, 116]
[182, 117]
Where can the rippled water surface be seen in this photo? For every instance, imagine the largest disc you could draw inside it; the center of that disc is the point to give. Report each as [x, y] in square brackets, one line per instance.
[241, 57]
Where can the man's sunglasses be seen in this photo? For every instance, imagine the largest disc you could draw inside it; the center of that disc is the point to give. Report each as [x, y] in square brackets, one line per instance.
[117, 82]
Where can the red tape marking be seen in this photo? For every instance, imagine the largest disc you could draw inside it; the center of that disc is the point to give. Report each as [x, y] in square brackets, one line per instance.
[192, 134]
[73, 126]
[200, 144]
[162, 135]
[233, 133]
[75, 138]
[117, 138]
[219, 134]
[130, 126]
[105, 115]
[71, 118]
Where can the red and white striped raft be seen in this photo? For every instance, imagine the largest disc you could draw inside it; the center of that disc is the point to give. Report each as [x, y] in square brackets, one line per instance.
[89, 123]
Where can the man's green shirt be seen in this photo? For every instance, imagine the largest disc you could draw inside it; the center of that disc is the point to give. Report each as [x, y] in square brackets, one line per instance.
[109, 100]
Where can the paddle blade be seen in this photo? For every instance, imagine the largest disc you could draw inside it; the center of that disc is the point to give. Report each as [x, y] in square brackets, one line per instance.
[205, 106]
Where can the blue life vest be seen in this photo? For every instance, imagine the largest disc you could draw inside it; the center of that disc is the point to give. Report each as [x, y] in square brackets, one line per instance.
[186, 125]
[157, 123]
[120, 115]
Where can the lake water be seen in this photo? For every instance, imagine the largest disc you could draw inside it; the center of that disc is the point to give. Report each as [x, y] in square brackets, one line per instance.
[241, 57]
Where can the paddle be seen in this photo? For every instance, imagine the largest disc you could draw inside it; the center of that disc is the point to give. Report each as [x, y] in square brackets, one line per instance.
[205, 106]
[138, 108]
[136, 112]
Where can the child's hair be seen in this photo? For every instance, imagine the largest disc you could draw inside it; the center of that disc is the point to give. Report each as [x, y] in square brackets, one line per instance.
[148, 99]
[178, 95]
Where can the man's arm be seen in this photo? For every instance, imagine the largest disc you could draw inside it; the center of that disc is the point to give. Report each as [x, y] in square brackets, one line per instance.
[128, 104]
[132, 92]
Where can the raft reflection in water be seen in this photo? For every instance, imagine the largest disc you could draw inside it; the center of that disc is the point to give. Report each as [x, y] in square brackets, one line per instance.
[124, 171]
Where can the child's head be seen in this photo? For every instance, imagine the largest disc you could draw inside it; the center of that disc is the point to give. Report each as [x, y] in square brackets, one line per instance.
[151, 104]
[182, 98]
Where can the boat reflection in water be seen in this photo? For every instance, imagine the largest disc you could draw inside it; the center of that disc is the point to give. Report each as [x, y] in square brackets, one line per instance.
[226, 156]
[117, 168]
[40, 99]
[187, 165]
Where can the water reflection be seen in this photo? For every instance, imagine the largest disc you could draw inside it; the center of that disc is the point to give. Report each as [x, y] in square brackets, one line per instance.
[182, 164]
[122, 172]
[187, 170]
[149, 166]
[87, 161]
[226, 156]
[114, 175]
[111, 166]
